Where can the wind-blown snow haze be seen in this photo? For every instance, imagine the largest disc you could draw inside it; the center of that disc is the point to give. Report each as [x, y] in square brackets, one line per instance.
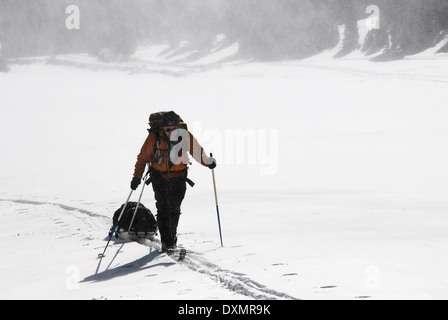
[327, 120]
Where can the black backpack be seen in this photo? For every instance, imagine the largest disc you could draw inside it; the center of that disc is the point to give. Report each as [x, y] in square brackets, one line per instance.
[144, 223]
[157, 119]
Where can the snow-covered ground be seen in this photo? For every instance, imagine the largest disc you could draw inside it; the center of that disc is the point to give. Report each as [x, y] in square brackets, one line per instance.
[337, 190]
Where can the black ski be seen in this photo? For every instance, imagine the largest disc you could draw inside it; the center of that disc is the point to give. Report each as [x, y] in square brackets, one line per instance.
[177, 254]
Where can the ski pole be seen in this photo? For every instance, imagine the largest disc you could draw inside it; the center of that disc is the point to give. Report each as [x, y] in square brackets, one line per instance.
[139, 199]
[216, 201]
[101, 255]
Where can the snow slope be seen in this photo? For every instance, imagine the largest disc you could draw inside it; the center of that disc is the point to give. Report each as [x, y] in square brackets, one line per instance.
[342, 197]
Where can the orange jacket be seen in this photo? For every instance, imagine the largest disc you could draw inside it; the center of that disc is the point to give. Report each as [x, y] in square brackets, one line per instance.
[158, 157]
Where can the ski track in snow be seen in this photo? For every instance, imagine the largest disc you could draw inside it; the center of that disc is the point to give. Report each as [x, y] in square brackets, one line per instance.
[234, 281]
[90, 219]
[231, 280]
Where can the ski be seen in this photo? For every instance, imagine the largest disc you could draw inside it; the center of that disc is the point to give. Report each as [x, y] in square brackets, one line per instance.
[177, 254]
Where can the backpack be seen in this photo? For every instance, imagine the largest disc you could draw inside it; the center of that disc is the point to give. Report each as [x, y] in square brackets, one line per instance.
[156, 121]
[143, 226]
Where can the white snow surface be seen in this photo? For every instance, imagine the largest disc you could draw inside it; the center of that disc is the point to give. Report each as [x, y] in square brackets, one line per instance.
[351, 202]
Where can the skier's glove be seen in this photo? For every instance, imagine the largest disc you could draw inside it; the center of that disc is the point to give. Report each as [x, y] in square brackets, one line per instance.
[211, 163]
[135, 183]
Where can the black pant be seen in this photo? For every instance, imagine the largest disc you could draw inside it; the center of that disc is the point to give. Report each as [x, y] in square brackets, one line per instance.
[169, 195]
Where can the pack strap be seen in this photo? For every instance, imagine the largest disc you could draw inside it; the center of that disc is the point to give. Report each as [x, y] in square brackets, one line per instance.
[191, 183]
[159, 173]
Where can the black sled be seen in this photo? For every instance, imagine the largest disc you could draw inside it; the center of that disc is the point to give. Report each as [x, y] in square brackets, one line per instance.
[141, 226]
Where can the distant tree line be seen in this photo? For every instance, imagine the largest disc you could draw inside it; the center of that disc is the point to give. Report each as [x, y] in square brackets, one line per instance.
[265, 29]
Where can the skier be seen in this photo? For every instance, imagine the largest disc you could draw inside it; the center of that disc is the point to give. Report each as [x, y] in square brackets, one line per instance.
[165, 150]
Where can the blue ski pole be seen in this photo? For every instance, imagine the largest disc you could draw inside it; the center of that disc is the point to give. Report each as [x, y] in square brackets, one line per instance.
[216, 200]
[101, 255]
